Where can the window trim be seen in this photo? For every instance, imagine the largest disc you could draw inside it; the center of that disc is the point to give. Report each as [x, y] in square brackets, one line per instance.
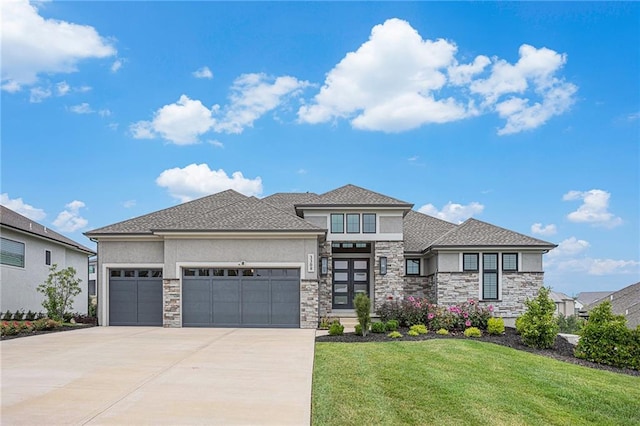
[477, 256]
[496, 272]
[375, 223]
[347, 222]
[510, 270]
[406, 266]
[331, 223]
[19, 256]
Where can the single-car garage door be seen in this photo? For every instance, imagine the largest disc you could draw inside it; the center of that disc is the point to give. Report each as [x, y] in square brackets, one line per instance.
[135, 297]
[241, 298]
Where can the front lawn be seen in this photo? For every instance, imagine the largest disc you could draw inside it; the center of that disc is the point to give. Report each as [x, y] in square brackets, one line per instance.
[463, 382]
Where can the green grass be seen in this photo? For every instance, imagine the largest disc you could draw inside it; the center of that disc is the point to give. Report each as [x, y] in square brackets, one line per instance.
[459, 382]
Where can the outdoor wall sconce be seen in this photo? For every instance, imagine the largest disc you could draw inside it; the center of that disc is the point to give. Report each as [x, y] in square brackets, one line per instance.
[324, 266]
[383, 266]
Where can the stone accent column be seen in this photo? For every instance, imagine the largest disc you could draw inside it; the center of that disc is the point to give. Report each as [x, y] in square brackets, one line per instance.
[420, 287]
[390, 285]
[309, 304]
[324, 283]
[171, 317]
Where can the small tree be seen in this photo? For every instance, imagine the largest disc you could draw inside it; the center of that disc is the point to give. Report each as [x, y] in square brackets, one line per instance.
[363, 310]
[59, 289]
[537, 326]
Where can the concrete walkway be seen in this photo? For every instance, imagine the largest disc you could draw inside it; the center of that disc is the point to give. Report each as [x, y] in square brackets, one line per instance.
[145, 375]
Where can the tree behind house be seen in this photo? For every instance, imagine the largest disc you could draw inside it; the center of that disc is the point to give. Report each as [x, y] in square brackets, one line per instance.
[59, 290]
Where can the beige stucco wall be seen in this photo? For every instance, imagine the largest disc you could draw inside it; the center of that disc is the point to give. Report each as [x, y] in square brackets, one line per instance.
[390, 224]
[532, 262]
[448, 262]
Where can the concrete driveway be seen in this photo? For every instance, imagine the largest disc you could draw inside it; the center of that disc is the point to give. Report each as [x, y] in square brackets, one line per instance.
[145, 375]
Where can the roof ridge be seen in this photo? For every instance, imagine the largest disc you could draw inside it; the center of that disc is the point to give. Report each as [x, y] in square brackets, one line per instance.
[203, 213]
[509, 230]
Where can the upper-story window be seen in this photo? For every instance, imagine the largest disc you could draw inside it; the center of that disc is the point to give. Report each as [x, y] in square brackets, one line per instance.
[413, 266]
[92, 269]
[47, 257]
[509, 261]
[11, 252]
[369, 223]
[353, 223]
[470, 262]
[337, 223]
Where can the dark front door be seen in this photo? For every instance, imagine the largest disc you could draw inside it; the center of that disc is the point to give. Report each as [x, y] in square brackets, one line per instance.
[350, 277]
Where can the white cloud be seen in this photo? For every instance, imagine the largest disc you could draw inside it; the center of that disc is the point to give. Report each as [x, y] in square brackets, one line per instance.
[538, 228]
[594, 208]
[598, 266]
[216, 143]
[62, 88]
[569, 247]
[197, 180]
[452, 212]
[32, 45]
[181, 123]
[83, 108]
[38, 94]
[252, 96]
[19, 206]
[129, 203]
[302, 171]
[397, 81]
[69, 220]
[116, 65]
[203, 72]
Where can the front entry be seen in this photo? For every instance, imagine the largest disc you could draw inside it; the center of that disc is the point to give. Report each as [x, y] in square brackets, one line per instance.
[350, 277]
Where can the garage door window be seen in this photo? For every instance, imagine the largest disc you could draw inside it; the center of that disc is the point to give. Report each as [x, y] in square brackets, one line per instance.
[135, 273]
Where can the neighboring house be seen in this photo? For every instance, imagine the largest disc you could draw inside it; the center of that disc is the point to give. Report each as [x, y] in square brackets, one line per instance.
[93, 276]
[28, 250]
[565, 305]
[291, 258]
[623, 302]
[586, 298]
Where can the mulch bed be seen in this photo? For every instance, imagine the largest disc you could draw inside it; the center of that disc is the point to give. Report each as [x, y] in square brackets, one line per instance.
[562, 350]
[54, 330]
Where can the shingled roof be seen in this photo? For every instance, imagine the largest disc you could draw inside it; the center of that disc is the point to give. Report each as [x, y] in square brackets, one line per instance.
[165, 218]
[421, 230]
[288, 200]
[353, 196]
[16, 221]
[475, 233]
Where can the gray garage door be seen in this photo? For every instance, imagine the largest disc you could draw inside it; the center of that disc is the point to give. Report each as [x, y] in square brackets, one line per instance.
[241, 298]
[135, 297]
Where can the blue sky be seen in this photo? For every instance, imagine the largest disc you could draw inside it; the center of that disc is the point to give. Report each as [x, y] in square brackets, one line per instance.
[524, 115]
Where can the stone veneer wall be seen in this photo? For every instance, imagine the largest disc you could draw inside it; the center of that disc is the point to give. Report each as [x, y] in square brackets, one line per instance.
[308, 304]
[323, 304]
[171, 303]
[458, 287]
[392, 284]
[421, 287]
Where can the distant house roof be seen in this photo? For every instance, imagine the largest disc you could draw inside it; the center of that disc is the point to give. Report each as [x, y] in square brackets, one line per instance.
[588, 297]
[475, 233]
[353, 196]
[624, 302]
[15, 221]
[559, 297]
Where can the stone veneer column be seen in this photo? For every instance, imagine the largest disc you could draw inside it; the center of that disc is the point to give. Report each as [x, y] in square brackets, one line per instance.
[171, 303]
[308, 304]
[391, 284]
[324, 283]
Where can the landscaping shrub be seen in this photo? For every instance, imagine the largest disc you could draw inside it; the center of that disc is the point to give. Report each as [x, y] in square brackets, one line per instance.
[7, 316]
[495, 326]
[358, 330]
[394, 335]
[605, 339]
[392, 325]
[336, 329]
[571, 324]
[537, 326]
[19, 315]
[419, 328]
[363, 311]
[413, 333]
[442, 332]
[378, 327]
[30, 316]
[472, 332]
[325, 322]
[390, 310]
[59, 290]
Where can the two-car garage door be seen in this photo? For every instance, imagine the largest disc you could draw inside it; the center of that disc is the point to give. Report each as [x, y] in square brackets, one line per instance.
[241, 298]
[210, 297]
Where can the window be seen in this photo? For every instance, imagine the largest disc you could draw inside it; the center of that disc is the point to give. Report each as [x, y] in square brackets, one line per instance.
[470, 262]
[11, 252]
[92, 269]
[413, 266]
[353, 223]
[337, 223]
[509, 261]
[490, 276]
[47, 257]
[369, 223]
